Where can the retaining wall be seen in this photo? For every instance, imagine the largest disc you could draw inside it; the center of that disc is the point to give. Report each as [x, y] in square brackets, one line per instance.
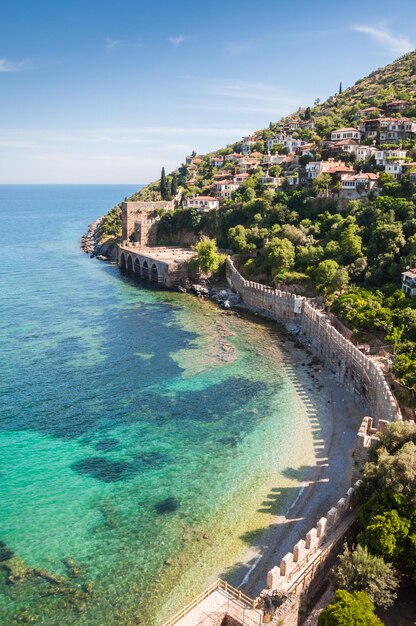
[359, 373]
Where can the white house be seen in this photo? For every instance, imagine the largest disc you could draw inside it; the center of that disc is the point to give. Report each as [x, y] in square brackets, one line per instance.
[287, 141]
[273, 159]
[225, 188]
[247, 165]
[346, 145]
[394, 168]
[383, 156]
[216, 161]
[202, 203]
[241, 178]
[247, 143]
[270, 181]
[313, 169]
[292, 179]
[363, 153]
[396, 129]
[357, 185]
[234, 156]
[409, 282]
[345, 133]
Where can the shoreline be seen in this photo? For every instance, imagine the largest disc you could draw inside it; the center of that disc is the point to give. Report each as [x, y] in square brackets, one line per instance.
[323, 483]
[329, 475]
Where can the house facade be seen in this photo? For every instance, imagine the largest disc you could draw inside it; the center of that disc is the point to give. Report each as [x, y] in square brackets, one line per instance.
[358, 185]
[202, 203]
[409, 282]
[346, 133]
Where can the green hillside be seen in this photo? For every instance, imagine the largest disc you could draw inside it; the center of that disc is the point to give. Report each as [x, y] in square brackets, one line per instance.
[334, 217]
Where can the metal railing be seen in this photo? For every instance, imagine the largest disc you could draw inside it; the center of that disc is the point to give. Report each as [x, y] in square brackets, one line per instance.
[234, 594]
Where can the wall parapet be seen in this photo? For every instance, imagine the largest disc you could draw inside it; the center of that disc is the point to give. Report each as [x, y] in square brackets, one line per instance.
[291, 574]
[358, 372]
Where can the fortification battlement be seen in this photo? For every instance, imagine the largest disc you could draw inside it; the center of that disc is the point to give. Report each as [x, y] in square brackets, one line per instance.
[358, 372]
[282, 577]
[137, 218]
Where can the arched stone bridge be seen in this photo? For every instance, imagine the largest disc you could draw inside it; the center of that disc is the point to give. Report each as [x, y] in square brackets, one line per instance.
[164, 266]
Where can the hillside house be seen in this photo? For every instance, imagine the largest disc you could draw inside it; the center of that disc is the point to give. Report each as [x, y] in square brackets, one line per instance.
[293, 124]
[397, 106]
[371, 112]
[273, 159]
[225, 188]
[389, 129]
[234, 156]
[305, 150]
[202, 203]
[364, 153]
[358, 185]
[216, 161]
[314, 168]
[383, 156]
[409, 282]
[345, 145]
[337, 170]
[241, 177]
[247, 143]
[287, 141]
[395, 168]
[270, 182]
[346, 133]
[292, 179]
[247, 165]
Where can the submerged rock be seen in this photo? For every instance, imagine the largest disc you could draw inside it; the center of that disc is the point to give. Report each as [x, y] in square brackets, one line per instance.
[168, 505]
[75, 569]
[106, 444]
[5, 552]
[50, 577]
[16, 569]
[103, 469]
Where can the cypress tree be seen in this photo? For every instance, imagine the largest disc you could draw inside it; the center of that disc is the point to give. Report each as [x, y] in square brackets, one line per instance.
[340, 88]
[174, 185]
[164, 192]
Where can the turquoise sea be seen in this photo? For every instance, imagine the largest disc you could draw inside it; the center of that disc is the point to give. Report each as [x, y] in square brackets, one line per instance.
[141, 431]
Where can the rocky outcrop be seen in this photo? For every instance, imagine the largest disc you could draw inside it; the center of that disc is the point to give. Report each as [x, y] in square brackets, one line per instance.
[91, 245]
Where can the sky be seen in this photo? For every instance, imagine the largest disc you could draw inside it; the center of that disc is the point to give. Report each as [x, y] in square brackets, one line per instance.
[98, 91]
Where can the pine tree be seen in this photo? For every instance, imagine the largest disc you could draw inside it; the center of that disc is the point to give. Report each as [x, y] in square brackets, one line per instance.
[164, 189]
[174, 185]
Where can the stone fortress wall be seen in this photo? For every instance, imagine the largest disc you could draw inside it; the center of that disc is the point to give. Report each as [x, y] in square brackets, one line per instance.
[358, 372]
[300, 572]
[139, 217]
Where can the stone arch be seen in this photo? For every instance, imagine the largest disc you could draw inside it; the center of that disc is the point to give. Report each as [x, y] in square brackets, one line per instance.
[145, 272]
[137, 267]
[122, 261]
[154, 274]
[129, 264]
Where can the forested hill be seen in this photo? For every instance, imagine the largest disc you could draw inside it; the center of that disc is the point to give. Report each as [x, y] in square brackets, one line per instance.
[323, 200]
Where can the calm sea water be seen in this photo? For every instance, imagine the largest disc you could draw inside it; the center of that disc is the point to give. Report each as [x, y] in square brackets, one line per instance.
[140, 430]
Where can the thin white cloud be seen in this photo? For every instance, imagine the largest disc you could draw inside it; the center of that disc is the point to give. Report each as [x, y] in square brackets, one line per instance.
[246, 90]
[248, 97]
[392, 42]
[178, 39]
[111, 44]
[234, 49]
[13, 66]
[153, 138]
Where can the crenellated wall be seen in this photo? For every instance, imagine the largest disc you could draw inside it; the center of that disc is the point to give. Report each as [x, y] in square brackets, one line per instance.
[359, 373]
[297, 568]
[140, 218]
